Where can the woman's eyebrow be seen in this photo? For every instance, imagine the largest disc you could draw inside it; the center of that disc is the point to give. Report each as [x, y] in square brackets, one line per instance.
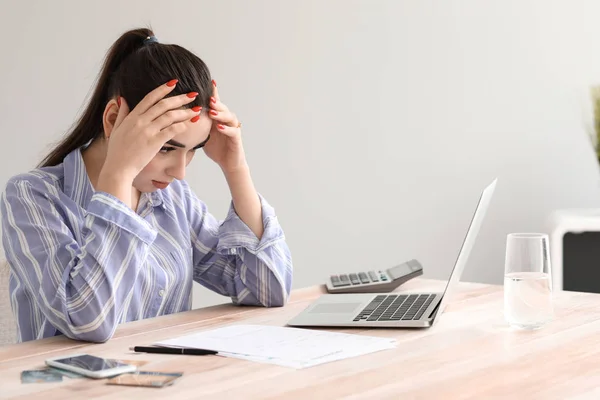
[175, 143]
[181, 145]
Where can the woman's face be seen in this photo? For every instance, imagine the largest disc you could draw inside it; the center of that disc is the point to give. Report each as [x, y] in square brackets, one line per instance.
[171, 161]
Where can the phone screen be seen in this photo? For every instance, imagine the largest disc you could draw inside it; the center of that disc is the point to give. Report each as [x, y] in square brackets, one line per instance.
[90, 363]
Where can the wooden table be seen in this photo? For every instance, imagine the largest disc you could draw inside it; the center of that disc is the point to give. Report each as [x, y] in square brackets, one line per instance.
[470, 353]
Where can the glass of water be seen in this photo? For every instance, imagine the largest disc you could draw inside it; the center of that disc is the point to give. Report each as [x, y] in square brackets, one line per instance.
[527, 281]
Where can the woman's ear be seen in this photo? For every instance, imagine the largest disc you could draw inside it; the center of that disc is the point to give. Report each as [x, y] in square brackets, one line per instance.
[111, 111]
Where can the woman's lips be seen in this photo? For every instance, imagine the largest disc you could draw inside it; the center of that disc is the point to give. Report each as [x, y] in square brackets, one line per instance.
[160, 185]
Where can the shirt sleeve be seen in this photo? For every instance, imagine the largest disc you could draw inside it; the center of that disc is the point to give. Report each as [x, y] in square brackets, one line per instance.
[79, 285]
[229, 259]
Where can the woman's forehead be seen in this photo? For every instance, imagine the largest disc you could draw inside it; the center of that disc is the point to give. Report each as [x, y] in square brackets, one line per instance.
[195, 132]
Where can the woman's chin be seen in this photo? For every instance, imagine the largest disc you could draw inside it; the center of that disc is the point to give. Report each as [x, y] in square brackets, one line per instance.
[147, 188]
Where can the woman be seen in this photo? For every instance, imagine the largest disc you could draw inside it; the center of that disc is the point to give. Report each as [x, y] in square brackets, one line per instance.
[106, 230]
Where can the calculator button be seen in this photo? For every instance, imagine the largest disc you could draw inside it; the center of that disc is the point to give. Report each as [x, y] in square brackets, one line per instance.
[354, 279]
[373, 276]
[344, 279]
[335, 281]
[363, 277]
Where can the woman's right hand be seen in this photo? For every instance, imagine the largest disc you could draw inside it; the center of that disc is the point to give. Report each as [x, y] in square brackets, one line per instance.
[137, 136]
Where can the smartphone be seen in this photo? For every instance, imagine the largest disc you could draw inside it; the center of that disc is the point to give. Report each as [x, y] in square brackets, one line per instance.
[91, 366]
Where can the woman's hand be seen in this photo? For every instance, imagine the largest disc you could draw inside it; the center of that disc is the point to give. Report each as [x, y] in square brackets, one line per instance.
[225, 144]
[137, 136]
[225, 148]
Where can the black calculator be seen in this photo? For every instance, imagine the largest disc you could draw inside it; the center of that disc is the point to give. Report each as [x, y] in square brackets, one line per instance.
[374, 281]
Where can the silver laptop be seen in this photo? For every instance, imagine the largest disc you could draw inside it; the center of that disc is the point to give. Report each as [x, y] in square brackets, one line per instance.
[393, 310]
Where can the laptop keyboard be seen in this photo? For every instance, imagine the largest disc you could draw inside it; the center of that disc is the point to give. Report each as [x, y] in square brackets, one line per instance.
[396, 307]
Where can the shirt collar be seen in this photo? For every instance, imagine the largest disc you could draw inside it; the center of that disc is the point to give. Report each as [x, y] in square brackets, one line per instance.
[155, 198]
[77, 183]
[78, 187]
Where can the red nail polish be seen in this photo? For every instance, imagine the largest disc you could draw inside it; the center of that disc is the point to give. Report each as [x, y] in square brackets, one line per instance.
[119, 101]
[172, 83]
[192, 95]
[196, 109]
[221, 126]
[213, 112]
[213, 100]
[195, 119]
[214, 82]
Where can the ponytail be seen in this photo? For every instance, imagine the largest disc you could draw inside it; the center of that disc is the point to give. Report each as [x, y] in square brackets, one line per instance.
[89, 126]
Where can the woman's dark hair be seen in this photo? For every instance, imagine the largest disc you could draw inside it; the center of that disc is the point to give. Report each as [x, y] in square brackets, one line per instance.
[135, 65]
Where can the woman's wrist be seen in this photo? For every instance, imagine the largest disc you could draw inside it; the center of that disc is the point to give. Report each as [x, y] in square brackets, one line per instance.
[116, 183]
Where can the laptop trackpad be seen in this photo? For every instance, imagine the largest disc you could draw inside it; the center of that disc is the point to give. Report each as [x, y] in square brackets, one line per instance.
[334, 308]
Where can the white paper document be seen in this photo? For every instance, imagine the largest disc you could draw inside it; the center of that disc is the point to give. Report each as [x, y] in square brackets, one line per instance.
[290, 347]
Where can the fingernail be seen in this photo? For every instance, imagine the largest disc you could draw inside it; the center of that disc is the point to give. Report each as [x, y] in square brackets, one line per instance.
[196, 109]
[195, 119]
[213, 100]
[172, 83]
[192, 95]
[221, 126]
[213, 112]
[214, 82]
[119, 101]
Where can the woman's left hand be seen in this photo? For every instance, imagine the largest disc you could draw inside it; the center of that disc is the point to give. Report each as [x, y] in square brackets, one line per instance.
[225, 144]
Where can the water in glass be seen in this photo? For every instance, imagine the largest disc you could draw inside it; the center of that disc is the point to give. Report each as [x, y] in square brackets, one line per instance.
[528, 299]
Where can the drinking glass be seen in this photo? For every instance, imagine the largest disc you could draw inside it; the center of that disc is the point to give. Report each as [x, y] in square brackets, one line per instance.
[527, 281]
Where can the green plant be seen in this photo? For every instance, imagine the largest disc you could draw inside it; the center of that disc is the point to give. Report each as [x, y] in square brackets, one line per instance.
[595, 95]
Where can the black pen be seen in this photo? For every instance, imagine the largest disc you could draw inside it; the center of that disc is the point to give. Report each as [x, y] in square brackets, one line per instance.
[172, 350]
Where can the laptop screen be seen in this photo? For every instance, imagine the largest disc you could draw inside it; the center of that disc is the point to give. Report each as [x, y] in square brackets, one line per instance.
[468, 242]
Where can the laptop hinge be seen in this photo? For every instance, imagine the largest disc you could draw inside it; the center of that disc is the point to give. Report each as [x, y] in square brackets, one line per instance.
[434, 311]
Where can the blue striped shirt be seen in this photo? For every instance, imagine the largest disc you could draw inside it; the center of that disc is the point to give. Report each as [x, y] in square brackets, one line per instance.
[82, 262]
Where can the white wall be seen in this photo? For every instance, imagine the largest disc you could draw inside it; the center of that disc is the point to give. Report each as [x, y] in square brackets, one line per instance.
[370, 126]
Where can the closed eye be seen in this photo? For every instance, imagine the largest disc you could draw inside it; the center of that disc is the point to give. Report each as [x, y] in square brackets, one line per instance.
[165, 149]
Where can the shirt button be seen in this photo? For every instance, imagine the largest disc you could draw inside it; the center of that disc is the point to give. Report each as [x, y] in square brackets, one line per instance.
[161, 293]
